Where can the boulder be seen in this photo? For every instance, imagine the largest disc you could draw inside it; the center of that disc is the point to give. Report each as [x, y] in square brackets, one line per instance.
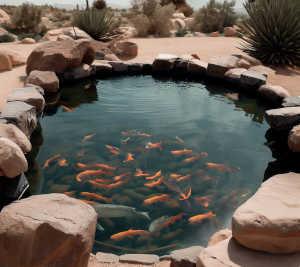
[111, 57]
[4, 17]
[81, 72]
[218, 66]
[185, 257]
[294, 139]
[164, 63]
[29, 95]
[253, 61]
[283, 118]
[229, 253]
[178, 24]
[53, 35]
[28, 41]
[125, 50]
[269, 220]
[197, 67]
[15, 58]
[273, 93]
[63, 37]
[47, 230]
[214, 34]
[128, 32]
[242, 63]
[199, 34]
[252, 80]
[12, 161]
[135, 68]
[230, 32]
[101, 49]
[291, 101]
[142, 259]
[22, 115]
[219, 237]
[60, 56]
[45, 79]
[118, 67]
[234, 75]
[102, 67]
[5, 62]
[266, 71]
[178, 15]
[14, 134]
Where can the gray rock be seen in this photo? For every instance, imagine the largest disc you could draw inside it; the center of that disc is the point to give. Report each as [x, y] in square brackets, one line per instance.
[185, 257]
[291, 101]
[230, 254]
[294, 139]
[102, 67]
[283, 118]
[29, 95]
[218, 66]
[252, 80]
[12, 159]
[22, 115]
[164, 63]
[118, 67]
[81, 72]
[273, 93]
[45, 79]
[144, 259]
[197, 67]
[14, 134]
[107, 258]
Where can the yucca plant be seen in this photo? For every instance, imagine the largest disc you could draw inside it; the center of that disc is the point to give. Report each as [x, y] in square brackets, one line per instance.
[97, 23]
[271, 33]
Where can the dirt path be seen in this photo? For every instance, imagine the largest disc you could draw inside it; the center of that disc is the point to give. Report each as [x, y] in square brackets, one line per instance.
[205, 47]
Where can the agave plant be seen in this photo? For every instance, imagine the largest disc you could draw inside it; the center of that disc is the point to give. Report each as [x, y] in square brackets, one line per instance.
[97, 23]
[271, 33]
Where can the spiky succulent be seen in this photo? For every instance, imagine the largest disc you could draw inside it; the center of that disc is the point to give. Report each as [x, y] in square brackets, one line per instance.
[271, 33]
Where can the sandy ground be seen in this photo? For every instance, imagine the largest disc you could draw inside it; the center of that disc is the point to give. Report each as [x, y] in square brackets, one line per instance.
[205, 47]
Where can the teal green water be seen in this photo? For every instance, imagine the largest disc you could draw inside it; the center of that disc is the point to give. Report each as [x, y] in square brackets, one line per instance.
[128, 113]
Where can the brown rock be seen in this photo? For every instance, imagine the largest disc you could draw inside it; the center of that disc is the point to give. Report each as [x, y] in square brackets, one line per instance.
[234, 75]
[185, 257]
[230, 32]
[252, 80]
[47, 230]
[214, 34]
[269, 221]
[111, 57]
[5, 62]
[244, 64]
[54, 35]
[219, 237]
[218, 66]
[14, 134]
[4, 17]
[197, 67]
[294, 139]
[253, 61]
[230, 254]
[125, 50]
[45, 79]
[28, 41]
[164, 63]
[78, 73]
[12, 160]
[60, 56]
[273, 93]
[16, 58]
[266, 71]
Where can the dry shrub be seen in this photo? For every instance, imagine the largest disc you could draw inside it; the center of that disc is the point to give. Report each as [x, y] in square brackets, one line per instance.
[142, 24]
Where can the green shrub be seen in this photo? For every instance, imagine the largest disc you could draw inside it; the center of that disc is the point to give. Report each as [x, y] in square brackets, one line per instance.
[97, 23]
[272, 31]
[26, 19]
[7, 38]
[215, 16]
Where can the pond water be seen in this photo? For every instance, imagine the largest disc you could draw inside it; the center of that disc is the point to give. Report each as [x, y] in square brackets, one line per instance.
[171, 150]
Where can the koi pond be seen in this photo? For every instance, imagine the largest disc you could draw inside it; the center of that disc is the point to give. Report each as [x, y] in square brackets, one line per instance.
[164, 163]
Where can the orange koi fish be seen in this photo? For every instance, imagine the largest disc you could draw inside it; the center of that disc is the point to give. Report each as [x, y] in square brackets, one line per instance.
[87, 138]
[200, 217]
[219, 167]
[63, 163]
[105, 166]
[155, 183]
[140, 173]
[175, 176]
[106, 186]
[81, 165]
[128, 233]
[195, 158]
[50, 160]
[130, 157]
[203, 201]
[96, 196]
[154, 145]
[157, 198]
[187, 195]
[103, 181]
[86, 173]
[173, 220]
[113, 150]
[184, 178]
[182, 152]
[120, 177]
[156, 175]
[67, 109]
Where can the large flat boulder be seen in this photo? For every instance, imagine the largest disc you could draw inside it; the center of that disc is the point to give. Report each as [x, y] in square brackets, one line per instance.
[12, 159]
[283, 118]
[164, 63]
[294, 139]
[71, 32]
[273, 93]
[47, 230]
[218, 66]
[252, 79]
[230, 254]
[291, 101]
[60, 56]
[22, 115]
[48, 80]
[269, 221]
[197, 67]
[29, 95]
[14, 134]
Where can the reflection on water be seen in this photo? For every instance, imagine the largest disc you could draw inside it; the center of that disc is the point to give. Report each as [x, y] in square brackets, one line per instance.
[131, 126]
